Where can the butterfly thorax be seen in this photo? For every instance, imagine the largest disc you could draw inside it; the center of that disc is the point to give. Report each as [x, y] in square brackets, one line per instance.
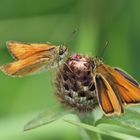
[59, 55]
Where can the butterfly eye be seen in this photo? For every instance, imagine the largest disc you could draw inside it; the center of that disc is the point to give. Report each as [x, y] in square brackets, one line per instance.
[61, 50]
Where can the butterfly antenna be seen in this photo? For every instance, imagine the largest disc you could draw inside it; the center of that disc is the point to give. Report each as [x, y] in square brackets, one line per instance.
[71, 36]
[103, 51]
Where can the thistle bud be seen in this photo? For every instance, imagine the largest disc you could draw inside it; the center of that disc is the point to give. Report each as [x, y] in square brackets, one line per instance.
[74, 83]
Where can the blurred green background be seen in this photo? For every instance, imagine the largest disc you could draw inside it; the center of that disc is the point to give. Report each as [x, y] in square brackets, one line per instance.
[97, 21]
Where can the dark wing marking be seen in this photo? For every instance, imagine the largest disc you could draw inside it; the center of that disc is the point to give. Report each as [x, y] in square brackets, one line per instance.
[127, 76]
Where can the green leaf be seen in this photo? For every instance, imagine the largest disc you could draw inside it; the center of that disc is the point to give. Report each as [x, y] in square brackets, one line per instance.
[103, 131]
[131, 119]
[44, 118]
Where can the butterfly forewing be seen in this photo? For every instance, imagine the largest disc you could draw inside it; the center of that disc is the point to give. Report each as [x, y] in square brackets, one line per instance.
[21, 50]
[103, 98]
[108, 99]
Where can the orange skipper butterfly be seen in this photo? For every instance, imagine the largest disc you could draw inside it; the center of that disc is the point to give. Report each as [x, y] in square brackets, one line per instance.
[86, 82]
[114, 88]
[32, 57]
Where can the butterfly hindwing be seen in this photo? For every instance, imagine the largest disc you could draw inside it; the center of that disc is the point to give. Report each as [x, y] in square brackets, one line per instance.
[26, 66]
[127, 76]
[128, 88]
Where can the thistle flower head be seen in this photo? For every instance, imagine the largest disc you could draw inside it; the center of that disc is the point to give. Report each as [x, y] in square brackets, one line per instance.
[74, 83]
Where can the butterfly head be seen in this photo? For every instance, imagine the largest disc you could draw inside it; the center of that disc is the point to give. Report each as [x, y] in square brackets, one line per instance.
[62, 52]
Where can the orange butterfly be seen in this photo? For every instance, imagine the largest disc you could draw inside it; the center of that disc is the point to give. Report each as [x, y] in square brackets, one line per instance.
[32, 57]
[114, 88]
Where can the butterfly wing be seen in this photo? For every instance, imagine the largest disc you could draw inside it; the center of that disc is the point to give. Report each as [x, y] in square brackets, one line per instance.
[28, 65]
[22, 50]
[127, 76]
[107, 98]
[125, 88]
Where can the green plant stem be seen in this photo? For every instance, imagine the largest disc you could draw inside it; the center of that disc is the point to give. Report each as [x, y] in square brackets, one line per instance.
[89, 119]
